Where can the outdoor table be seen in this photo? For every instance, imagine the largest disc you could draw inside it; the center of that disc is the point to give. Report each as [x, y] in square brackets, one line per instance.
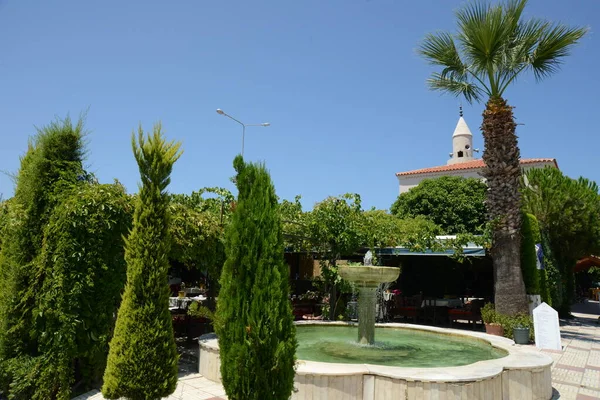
[183, 302]
[450, 303]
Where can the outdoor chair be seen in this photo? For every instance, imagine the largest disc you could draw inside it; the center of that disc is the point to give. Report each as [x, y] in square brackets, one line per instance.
[407, 307]
[470, 313]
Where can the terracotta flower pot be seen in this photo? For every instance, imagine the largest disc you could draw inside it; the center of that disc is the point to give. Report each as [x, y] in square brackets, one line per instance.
[494, 329]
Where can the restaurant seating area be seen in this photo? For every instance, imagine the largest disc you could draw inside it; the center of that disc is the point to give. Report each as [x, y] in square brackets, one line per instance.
[436, 311]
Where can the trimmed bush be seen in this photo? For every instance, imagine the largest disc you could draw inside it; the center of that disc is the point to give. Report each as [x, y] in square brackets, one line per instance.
[142, 360]
[254, 321]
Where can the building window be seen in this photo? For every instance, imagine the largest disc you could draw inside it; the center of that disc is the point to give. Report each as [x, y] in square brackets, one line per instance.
[459, 154]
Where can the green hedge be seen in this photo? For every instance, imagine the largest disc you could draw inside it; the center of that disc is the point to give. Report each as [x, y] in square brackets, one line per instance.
[529, 237]
[83, 258]
[51, 166]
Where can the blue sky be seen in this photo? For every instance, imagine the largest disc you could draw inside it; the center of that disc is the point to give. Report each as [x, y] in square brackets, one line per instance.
[339, 81]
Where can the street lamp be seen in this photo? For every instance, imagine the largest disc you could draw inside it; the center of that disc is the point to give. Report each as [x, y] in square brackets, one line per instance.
[265, 124]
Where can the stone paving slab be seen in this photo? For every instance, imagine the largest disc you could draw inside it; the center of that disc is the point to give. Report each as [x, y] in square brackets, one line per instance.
[575, 372]
[189, 387]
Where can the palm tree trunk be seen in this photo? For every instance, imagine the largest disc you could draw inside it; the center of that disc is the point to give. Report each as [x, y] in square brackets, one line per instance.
[502, 172]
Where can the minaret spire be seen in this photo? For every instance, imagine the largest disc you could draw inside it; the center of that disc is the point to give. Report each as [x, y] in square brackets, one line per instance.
[462, 141]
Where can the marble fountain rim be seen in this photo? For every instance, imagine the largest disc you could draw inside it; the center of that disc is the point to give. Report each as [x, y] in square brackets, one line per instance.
[519, 357]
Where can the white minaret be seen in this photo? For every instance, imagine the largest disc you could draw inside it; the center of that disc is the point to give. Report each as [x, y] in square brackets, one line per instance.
[462, 142]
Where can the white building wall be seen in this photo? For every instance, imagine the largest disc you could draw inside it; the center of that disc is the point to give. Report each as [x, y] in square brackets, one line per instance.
[409, 181]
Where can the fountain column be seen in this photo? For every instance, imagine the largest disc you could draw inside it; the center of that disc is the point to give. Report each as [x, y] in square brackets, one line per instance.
[366, 313]
[367, 277]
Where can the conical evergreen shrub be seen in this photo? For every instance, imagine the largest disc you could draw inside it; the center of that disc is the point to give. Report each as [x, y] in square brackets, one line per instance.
[255, 326]
[142, 360]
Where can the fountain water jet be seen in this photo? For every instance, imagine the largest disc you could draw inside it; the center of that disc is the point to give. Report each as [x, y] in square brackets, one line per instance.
[367, 278]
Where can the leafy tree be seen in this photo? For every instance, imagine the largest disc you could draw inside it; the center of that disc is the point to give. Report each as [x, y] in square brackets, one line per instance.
[335, 228]
[254, 317]
[568, 211]
[454, 203]
[215, 201]
[83, 272]
[492, 47]
[52, 164]
[142, 361]
[295, 225]
[381, 229]
[197, 239]
[198, 231]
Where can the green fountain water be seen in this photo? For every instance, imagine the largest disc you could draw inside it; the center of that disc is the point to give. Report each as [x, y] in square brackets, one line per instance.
[394, 347]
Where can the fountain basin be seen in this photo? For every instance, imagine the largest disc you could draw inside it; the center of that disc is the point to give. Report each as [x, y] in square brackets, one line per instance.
[369, 275]
[524, 373]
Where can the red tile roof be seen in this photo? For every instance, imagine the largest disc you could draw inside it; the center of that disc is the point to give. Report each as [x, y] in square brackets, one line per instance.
[475, 164]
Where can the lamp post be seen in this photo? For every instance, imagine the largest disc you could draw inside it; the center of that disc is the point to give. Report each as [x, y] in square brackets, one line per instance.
[265, 124]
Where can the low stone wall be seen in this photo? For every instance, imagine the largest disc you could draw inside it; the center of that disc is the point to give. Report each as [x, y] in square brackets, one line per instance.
[523, 374]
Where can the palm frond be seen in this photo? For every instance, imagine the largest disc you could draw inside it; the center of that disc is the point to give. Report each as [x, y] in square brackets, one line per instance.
[470, 91]
[516, 55]
[481, 33]
[493, 46]
[554, 44]
[440, 50]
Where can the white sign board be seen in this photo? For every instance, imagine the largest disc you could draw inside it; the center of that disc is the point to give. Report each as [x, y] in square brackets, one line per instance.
[547, 329]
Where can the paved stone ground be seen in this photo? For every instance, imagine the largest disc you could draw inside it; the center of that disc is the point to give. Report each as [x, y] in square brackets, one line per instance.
[575, 373]
[576, 369]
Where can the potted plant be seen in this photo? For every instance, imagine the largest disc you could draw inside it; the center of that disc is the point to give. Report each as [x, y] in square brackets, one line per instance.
[521, 329]
[182, 290]
[490, 319]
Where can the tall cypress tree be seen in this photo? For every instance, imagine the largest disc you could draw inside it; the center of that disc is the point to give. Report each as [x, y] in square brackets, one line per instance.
[254, 318]
[142, 360]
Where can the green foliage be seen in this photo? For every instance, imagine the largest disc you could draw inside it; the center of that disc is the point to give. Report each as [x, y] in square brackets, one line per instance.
[454, 203]
[255, 324]
[4, 218]
[142, 360]
[213, 200]
[83, 272]
[197, 228]
[335, 226]
[509, 323]
[493, 46]
[568, 211]
[23, 374]
[381, 229]
[197, 239]
[529, 231]
[295, 225]
[488, 314]
[551, 274]
[51, 166]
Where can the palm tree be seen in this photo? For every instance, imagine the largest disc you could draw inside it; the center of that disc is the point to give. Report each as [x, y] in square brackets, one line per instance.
[491, 48]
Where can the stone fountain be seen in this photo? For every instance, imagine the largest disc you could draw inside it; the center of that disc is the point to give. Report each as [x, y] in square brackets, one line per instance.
[367, 278]
[521, 372]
